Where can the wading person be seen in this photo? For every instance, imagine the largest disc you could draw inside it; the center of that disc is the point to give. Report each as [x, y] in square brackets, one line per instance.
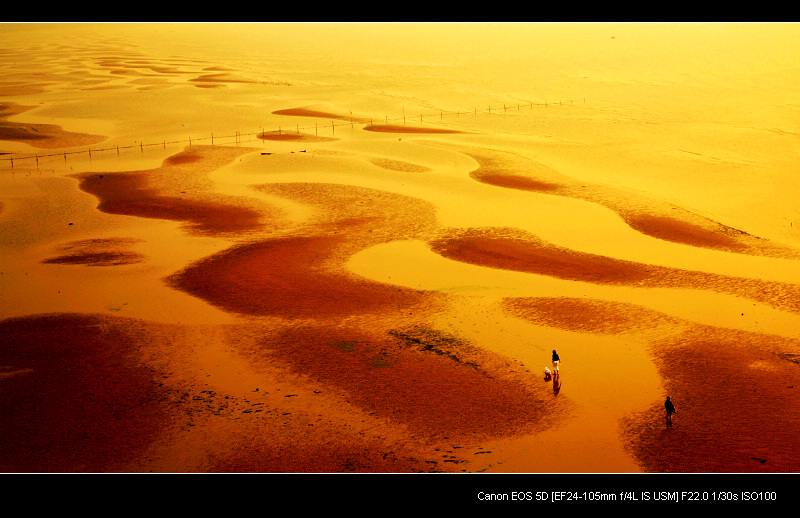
[556, 361]
[670, 410]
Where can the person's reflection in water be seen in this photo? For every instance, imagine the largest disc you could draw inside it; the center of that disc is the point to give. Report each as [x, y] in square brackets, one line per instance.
[556, 385]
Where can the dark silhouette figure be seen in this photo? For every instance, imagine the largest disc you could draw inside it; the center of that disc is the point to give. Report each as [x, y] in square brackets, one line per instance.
[556, 361]
[670, 410]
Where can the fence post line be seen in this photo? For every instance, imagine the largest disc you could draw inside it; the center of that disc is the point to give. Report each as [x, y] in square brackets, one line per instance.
[238, 134]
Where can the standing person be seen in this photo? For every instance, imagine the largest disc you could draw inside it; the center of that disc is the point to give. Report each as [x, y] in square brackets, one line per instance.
[670, 410]
[556, 361]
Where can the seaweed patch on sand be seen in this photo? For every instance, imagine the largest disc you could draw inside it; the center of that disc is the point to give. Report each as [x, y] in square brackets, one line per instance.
[436, 385]
[179, 191]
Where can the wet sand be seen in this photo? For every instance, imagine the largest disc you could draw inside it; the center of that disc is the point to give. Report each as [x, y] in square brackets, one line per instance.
[313, 302]
[347, 374]
[391, 387]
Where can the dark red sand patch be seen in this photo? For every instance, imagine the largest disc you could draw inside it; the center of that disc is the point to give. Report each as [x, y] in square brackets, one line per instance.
[399, 165]
[97, 258]
[287, 277]
[293, 137]
[184, 157]
[73, 398]
[435, 384]
[221, 78]
[307, 112]
[324, 456]
[513, 181]
[670, 229]
[737, 397]
[531, 255]
[180, 190]
[97, 252]
[591, 316]
[130, 194]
